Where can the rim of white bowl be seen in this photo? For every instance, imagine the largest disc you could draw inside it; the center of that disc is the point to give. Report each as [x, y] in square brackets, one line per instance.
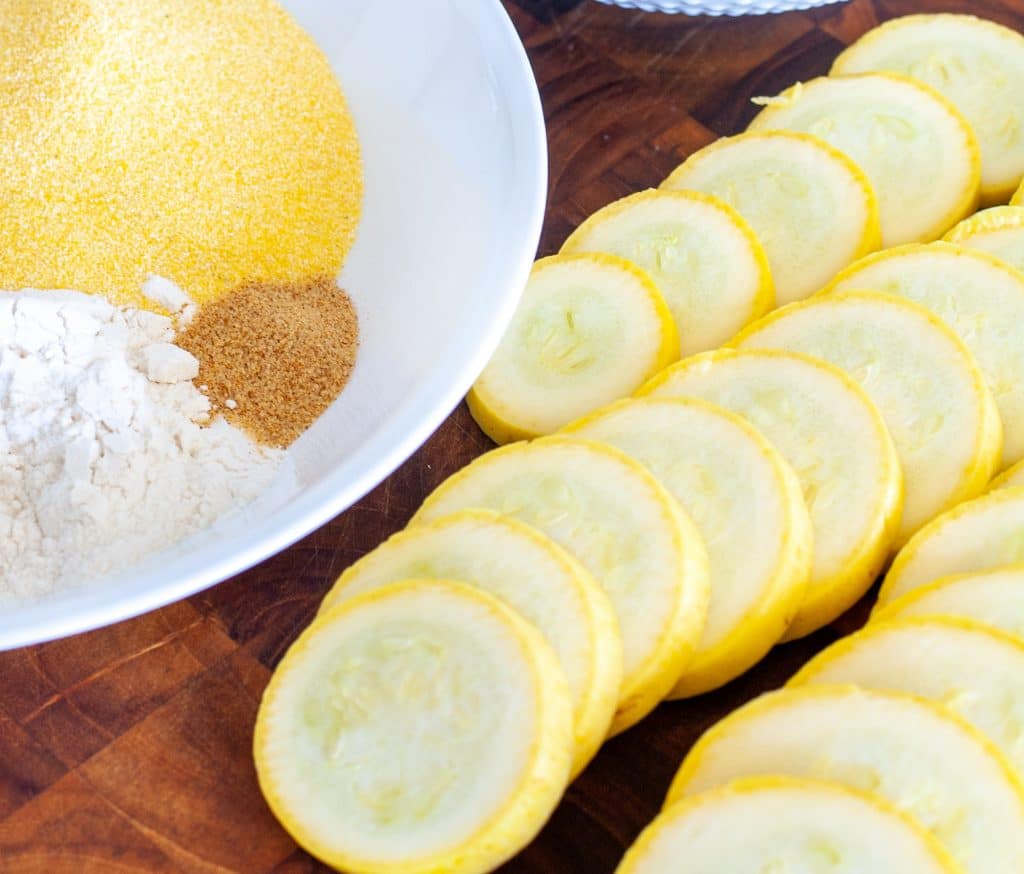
[79, 612]
[720, 7]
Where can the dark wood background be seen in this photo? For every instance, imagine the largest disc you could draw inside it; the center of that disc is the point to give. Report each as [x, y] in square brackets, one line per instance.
[128, 749]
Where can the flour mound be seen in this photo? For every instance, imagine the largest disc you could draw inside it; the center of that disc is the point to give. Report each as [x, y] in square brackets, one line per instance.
[107, 451]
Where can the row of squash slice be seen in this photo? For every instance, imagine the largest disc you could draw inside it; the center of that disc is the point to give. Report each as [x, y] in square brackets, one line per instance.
[913, 725]
[554, 591]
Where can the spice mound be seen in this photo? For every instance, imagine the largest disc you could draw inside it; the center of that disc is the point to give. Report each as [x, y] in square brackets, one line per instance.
[274, 356]
[108, 452]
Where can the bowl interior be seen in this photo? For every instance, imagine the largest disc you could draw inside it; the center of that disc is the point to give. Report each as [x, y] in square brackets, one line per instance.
[455, 164]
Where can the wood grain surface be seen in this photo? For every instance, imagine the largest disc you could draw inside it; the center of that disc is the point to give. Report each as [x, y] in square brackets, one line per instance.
[128, 749]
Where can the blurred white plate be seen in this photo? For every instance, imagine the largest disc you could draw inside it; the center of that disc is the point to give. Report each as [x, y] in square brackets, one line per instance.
[720, 7]
[456, 179]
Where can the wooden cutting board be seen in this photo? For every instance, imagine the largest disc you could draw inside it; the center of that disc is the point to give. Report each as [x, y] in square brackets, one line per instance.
[127, 750]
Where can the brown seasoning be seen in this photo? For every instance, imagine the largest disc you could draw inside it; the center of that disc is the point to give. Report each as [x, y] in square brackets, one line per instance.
[274, 356]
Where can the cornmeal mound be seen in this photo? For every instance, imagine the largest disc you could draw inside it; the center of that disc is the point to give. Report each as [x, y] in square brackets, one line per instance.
[202, 140]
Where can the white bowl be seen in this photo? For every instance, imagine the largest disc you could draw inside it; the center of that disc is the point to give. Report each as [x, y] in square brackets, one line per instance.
[720, 7]
[456, 178]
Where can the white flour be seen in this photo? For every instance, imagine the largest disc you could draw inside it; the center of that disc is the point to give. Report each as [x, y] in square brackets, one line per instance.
[103, 457]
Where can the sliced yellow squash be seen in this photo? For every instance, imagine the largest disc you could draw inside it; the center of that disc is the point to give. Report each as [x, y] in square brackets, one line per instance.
[998, 231]
[609, 512]
[533, 575]
[979, 535]
[704, 258]
[776, 825]
[916, 148]
[924, 380]
[974, 670]
[977, 64]
[423, 728]
[994, 598]
[836, 441]
[979, 297]
[920, 756]
[588, 330]
[747, 505]
[812, 208]
[1012, 476]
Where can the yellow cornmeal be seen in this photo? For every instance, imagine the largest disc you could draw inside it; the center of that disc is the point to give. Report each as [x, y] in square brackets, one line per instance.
[202, 140]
